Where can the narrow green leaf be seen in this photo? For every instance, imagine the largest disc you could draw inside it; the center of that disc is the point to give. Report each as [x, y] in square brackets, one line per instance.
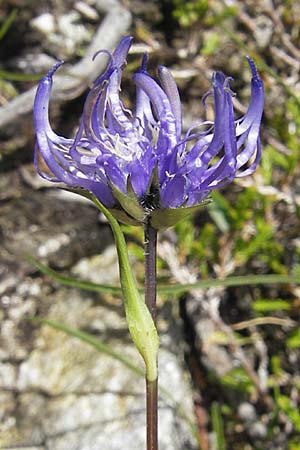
[8, 23]
[174, 289]
[73, 282]
[217, 424]
[265, 305]
[243, 280]
[13, 76]
[94, 342]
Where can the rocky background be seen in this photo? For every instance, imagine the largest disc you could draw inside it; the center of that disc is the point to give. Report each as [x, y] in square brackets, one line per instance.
[229, 360]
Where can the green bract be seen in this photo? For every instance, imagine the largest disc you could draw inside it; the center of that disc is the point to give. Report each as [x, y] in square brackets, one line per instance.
[140, 323]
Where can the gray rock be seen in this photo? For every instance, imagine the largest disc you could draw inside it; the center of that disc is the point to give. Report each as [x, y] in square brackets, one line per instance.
[99, 268]
[53, 230]
[247, 412]
[263, 31]
[56, 392]
[8, 375]
[94, 401]
[258, 430]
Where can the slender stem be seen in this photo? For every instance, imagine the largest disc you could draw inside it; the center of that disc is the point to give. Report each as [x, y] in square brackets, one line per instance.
[150, 299]
[150, 268]
[151, 405]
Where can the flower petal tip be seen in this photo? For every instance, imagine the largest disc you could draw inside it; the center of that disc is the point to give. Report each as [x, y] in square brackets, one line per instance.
[54, 69]
[218, 79]
[122, 50]
[144, 63]
[162, 70]
[255, 76]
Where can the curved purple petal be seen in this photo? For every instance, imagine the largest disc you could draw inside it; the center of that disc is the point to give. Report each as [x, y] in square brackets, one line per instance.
[226, 166]
[42, 129]
[159, 100]
[121, 51]
[256, 105]
[49, 145]
[172, 192]
[140, 172]
[169, 86]
[208, 147]
[115, 105]
[248, 127]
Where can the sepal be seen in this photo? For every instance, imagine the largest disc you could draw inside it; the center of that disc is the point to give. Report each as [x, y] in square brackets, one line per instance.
[122, 217]
[129, 201]
[168, 217]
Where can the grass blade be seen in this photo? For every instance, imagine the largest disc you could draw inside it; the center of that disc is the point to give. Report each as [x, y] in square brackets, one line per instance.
[13, 76]
[73, 282]
[93, 341]
[242, 280]
[8, 23]
[217, 424]
[169, 288]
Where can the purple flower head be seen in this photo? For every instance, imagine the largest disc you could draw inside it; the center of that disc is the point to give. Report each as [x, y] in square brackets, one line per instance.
[138, 163]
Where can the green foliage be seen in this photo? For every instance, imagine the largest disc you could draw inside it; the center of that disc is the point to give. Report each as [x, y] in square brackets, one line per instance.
[293, 340]
[221, 212]
[238, 379]
[284, 403]
[271, 159]
[294, 445]
[248, 211]
[189, 12]
[218, 17]
[199, 249]
[263, 245]
[287, 405]
[275, 365]
[267, 305]
[211, 44]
